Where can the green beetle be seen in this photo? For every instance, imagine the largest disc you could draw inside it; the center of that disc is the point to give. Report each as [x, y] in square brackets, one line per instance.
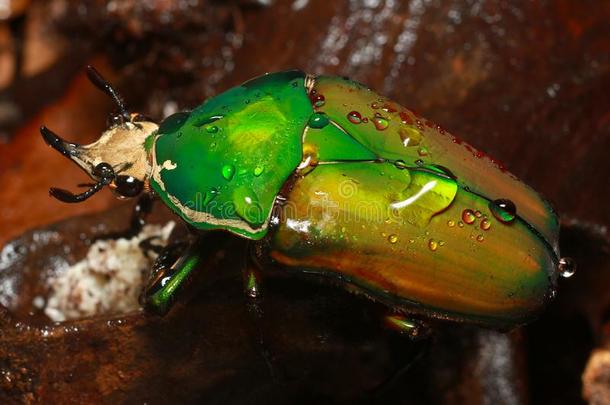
[327, 177]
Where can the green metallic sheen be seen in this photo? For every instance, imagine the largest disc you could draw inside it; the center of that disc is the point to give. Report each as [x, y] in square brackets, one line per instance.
[393, 132]
[395, 234]
[218, 150]
[332, 144]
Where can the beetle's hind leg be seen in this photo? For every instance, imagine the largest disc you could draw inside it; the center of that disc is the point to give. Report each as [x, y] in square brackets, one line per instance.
[254, 299]
[412, 328]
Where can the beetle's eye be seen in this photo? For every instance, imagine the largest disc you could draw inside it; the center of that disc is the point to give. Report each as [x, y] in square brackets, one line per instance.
[103, 171]
[114, 120]
[128, 186]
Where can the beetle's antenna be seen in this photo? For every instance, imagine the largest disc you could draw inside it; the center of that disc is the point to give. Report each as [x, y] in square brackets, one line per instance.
[98, 81]
[68, 197]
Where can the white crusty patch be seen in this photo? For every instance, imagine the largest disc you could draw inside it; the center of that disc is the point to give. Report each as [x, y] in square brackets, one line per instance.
[107, 281]
[169, 165]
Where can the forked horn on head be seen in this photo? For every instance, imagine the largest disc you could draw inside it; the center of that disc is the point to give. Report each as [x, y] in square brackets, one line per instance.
[68, 149]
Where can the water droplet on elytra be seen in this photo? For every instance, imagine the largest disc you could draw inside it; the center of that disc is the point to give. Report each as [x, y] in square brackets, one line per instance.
[381, 123]
[468, 216]
[400, 164]
[422, 151]
[393, 238]
[480, 238]
[409, 136]
[567, 267]
[460, 224]
[258, 170]
[451, 223]
[485, 224]
[211, 129]
[478, 214]
[318, 100]
[432, 245]
[504, 210]
[354, 117]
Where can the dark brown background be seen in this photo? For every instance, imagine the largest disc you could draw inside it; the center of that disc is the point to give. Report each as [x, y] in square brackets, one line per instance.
[527, 82]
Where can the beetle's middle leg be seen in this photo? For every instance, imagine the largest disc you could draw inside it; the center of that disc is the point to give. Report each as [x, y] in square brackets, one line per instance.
[254, 296]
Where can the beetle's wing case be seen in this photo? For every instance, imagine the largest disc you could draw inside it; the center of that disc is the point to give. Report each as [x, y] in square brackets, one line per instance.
[222, 165]
[397, 229]
[393, 132]
[348, 220]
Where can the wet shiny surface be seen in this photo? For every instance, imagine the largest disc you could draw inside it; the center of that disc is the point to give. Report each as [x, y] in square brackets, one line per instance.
[524, 82]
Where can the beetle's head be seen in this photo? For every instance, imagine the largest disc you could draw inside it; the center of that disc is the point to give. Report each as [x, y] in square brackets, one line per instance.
[118, 159]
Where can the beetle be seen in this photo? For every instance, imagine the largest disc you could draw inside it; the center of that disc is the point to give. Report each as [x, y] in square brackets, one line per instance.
[324, 176]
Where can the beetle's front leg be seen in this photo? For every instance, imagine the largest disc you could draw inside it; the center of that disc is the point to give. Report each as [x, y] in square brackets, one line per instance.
[170, 272]
[140, 211]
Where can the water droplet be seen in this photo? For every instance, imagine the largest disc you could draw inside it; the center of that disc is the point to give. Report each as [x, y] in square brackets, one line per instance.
[354, 117]
[258, 170]
[409, 136]
[567, 267]
[411, 240]
[445, 171]
[485, 224]
[318, 100]
[318, 120]
[247, 206]
[393, 238]
[478, 214]
[451, 223]
[504, 210]
[460, 224]
[209, 196]
[400, 164]
[441, 243]
[405, 118]
[375, 105]
[419, 162]
[211, 129]
[432, 245]
[480, 238]
[422, 151]
[380, 122]
[228, 171]
[468, 216]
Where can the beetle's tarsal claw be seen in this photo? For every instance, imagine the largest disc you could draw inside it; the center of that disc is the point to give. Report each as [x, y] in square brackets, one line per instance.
[67, 149]
[68, 197]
